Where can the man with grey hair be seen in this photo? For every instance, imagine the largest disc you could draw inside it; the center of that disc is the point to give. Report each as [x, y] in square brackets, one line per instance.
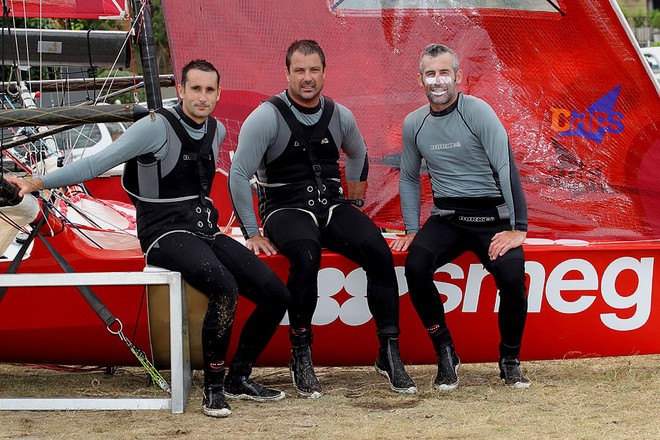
[479, 205]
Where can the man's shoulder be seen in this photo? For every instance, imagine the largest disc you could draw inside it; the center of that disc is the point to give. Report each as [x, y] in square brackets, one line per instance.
[473, 102]
[345, 113]
[264, 112]
[417, 114]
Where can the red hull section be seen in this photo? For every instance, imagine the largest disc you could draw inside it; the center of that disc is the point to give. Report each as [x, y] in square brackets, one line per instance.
[594, 300]
[55, 325]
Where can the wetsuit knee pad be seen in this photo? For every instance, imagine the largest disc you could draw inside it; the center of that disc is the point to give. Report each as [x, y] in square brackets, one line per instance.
[377, 251]
[220, 314]
[227, 299]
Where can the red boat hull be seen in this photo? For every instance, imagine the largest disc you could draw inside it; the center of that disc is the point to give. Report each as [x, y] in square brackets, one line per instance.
[594, 299]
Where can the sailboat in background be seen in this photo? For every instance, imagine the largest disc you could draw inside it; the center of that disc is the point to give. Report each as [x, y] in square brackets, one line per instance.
[585, 133]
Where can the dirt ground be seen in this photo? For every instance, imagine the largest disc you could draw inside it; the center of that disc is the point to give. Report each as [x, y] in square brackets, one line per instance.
[613, 398]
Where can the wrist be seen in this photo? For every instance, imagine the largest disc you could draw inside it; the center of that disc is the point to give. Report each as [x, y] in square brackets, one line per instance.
[357, 202]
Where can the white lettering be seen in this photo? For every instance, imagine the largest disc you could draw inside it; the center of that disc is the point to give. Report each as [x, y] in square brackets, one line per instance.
[640, 299]
[536, 273]
[572, 287]
[451, 291]
[476, 276]
[556, 284]
[355, 311]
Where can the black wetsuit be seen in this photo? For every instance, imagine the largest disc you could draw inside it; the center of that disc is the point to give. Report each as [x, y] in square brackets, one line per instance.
[303, 212]
[477, 193]
[177, 228]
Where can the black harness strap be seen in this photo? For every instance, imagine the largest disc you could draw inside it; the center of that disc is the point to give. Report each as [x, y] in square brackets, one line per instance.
[310, 144]
[87, 293]
[91, 298]
[13, 266]
[205, 150]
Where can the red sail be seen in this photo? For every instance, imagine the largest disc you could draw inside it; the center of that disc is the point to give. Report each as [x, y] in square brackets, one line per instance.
[580, 106]
[84, 9]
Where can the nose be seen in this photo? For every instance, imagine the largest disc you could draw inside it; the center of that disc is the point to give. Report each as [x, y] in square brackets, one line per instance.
[308, 75]
[439, 79]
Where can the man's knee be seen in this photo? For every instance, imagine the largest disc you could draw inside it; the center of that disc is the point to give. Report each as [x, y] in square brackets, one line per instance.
[277, 295]
[419, 266]
[379, 263]
[510, 277]
[304, 256]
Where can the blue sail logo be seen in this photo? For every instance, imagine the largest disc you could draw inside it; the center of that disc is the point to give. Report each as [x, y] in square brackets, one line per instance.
[598, 119]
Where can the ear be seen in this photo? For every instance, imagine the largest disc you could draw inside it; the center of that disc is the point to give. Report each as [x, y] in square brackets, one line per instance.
[179, 89]
[219, 92]
[420, 80]
[459, 76]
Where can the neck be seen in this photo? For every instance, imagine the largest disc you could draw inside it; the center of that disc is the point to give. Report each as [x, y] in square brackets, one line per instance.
[442, 107]
[305, 107]
[188, 119]
[307, 104]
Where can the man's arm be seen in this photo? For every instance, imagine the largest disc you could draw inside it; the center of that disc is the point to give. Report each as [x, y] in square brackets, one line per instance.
[409, 186]
[257, 132]
[143, 137]
[140, 138]
[495, 142]
[498, 149]
[355, 148]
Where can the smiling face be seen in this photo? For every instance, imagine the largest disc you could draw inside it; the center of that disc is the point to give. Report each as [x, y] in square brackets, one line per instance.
[305, 76]
[439, 80]
[199, 94]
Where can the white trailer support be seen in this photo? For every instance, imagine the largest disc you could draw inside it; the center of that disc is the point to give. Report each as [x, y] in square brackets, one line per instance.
[181, 372]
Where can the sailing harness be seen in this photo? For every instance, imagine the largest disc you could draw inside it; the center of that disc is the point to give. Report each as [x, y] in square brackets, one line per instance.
[88, 294]
[309, 143]
[205, 152]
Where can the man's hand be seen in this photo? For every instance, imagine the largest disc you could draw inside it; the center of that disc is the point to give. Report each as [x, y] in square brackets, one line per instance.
[401, 244]
[25, 186]
[503, 241]
[258, 243]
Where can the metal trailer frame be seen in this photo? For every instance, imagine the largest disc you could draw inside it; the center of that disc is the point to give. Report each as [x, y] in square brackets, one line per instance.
[181, 372]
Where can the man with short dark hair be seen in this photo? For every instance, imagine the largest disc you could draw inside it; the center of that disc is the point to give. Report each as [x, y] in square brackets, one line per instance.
[292, 142]
[170, 166]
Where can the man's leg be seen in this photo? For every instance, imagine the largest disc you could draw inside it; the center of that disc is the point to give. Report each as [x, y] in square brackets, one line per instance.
[509, 274]
[297, 237]
[434, 245]
[352, 234]
[258, 283]
[198, 265]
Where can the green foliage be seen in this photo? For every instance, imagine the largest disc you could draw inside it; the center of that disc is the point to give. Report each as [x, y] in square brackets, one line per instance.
[641, 17]
[655, 19]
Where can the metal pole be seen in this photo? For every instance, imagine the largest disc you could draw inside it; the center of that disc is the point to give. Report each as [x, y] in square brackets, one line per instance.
[144, 30]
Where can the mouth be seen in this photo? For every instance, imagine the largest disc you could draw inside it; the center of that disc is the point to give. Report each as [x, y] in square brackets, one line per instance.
[438, 92]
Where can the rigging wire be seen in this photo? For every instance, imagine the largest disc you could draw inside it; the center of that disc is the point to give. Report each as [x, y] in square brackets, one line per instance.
[552, 3]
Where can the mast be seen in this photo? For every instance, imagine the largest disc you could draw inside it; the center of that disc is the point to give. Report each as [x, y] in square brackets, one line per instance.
[145, 37]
